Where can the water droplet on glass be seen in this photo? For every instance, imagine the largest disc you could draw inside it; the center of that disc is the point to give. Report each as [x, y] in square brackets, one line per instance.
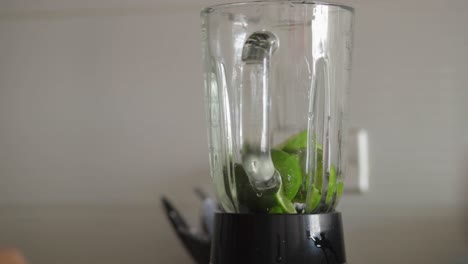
[259, 194]
[289, 177]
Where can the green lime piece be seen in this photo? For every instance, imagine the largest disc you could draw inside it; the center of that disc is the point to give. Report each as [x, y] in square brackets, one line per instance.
[290, 171]
[296, 143]
[318, 170]
[314, 200]
[286, 205]
[276, 210]
[331, 184]
[339, 190]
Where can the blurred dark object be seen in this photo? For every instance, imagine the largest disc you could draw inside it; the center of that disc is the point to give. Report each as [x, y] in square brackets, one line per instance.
[196, 241]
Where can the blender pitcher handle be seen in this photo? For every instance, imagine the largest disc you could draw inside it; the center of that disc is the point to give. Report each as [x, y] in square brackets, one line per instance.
[255, 107]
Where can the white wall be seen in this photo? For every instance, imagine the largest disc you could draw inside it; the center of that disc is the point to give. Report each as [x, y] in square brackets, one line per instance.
[101, 112]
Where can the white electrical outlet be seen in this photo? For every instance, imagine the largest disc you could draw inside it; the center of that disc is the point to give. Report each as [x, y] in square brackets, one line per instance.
[357, 171]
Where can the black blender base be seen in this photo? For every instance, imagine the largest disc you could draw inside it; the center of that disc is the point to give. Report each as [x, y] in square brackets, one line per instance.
[280, 239]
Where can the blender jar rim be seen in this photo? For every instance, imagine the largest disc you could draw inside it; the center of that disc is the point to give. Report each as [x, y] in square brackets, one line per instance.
[220, 7]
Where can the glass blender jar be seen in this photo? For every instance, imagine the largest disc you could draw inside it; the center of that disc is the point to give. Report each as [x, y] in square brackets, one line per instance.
[276, 85]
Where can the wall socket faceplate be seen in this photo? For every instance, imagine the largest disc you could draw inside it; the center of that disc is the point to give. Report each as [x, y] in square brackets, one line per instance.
[357, 152]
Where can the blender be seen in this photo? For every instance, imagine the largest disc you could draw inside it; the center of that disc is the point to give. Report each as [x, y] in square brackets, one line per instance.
[276, 86]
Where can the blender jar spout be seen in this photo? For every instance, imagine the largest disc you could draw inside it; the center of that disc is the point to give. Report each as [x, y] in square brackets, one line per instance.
[255, 98]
